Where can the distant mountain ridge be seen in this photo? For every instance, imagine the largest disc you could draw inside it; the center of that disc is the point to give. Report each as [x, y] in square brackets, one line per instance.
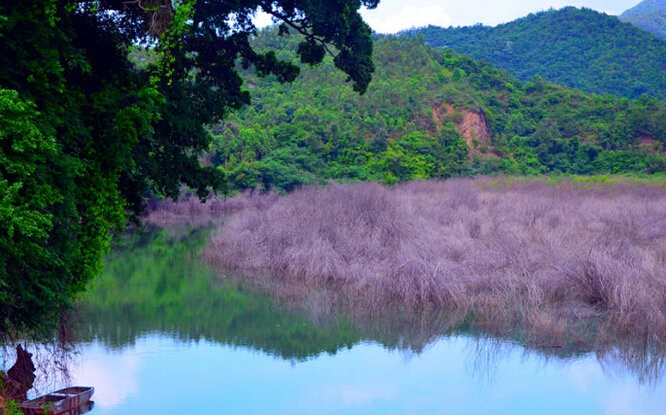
[577, 48]
[649, 15]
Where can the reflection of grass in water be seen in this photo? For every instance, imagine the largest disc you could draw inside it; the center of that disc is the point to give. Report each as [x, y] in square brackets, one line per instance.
[413, 330]
[155, 284]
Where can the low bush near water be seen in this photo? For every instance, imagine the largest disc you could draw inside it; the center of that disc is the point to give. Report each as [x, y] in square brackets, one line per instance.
[547, 257]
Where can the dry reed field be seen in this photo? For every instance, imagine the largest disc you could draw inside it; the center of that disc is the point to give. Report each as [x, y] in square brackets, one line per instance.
[190, 210]
[545, 257]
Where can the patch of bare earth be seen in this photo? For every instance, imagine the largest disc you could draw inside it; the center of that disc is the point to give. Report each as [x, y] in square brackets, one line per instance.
[471, 125]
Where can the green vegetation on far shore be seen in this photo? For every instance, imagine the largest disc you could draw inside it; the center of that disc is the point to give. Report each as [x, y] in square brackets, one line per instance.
[429, 114]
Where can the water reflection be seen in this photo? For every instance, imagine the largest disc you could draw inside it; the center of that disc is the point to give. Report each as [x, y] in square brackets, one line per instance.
[414, 331]
[157, 285]
[158, 327]
[157, 375]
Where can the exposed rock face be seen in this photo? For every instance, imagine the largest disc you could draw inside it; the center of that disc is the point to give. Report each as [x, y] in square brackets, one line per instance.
[472, 125]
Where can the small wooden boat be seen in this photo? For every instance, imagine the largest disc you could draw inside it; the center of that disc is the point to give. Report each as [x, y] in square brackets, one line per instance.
[79, 395]
[47, 404]
[67, 401]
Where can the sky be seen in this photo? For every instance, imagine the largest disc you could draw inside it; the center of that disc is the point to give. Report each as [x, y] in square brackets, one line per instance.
[392, 16]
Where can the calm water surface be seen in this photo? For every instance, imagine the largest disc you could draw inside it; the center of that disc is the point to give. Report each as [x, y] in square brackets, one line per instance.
[160, 335]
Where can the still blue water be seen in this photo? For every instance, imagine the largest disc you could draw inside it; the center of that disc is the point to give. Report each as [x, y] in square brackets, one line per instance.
[161, 335]
[162, 375]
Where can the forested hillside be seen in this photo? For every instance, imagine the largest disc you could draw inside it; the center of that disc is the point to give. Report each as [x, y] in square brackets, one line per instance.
[649, 15]
[429, 113]
[577, 48]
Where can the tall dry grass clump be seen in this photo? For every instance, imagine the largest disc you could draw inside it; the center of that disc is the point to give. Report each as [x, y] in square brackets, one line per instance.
[189, 209]
[544, 257]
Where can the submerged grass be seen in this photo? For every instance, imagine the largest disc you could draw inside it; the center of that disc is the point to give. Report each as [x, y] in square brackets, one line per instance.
[552, 257]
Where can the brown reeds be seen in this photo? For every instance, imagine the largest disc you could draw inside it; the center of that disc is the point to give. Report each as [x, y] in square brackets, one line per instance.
[553, 259]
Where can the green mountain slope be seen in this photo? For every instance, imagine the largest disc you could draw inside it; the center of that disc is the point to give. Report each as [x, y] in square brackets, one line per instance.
[578, 48]
[429, 113]
[649, 15]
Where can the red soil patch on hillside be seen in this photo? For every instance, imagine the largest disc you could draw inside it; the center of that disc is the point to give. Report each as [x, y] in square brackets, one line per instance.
[472, 125]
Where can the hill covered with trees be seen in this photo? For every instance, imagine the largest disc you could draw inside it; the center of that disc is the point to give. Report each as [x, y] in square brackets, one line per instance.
[429, 113]
[578, 48]
[649, 15]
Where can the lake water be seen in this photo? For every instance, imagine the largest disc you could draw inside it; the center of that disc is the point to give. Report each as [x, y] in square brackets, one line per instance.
[161, 335]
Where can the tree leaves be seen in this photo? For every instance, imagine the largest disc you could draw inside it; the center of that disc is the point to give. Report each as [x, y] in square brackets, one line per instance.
[86, 136]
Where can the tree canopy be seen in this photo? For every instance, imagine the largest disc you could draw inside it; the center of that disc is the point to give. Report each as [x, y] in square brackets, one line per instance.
[577, 48]
[429, 113]
[85, 134]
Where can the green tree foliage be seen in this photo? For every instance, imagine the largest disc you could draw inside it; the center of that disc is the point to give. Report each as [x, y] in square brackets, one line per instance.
[578, 48]
[26, 197]
[85, 134]
[317, 129]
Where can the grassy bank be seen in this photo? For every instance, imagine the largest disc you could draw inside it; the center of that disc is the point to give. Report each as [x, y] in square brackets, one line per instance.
[545, 255]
